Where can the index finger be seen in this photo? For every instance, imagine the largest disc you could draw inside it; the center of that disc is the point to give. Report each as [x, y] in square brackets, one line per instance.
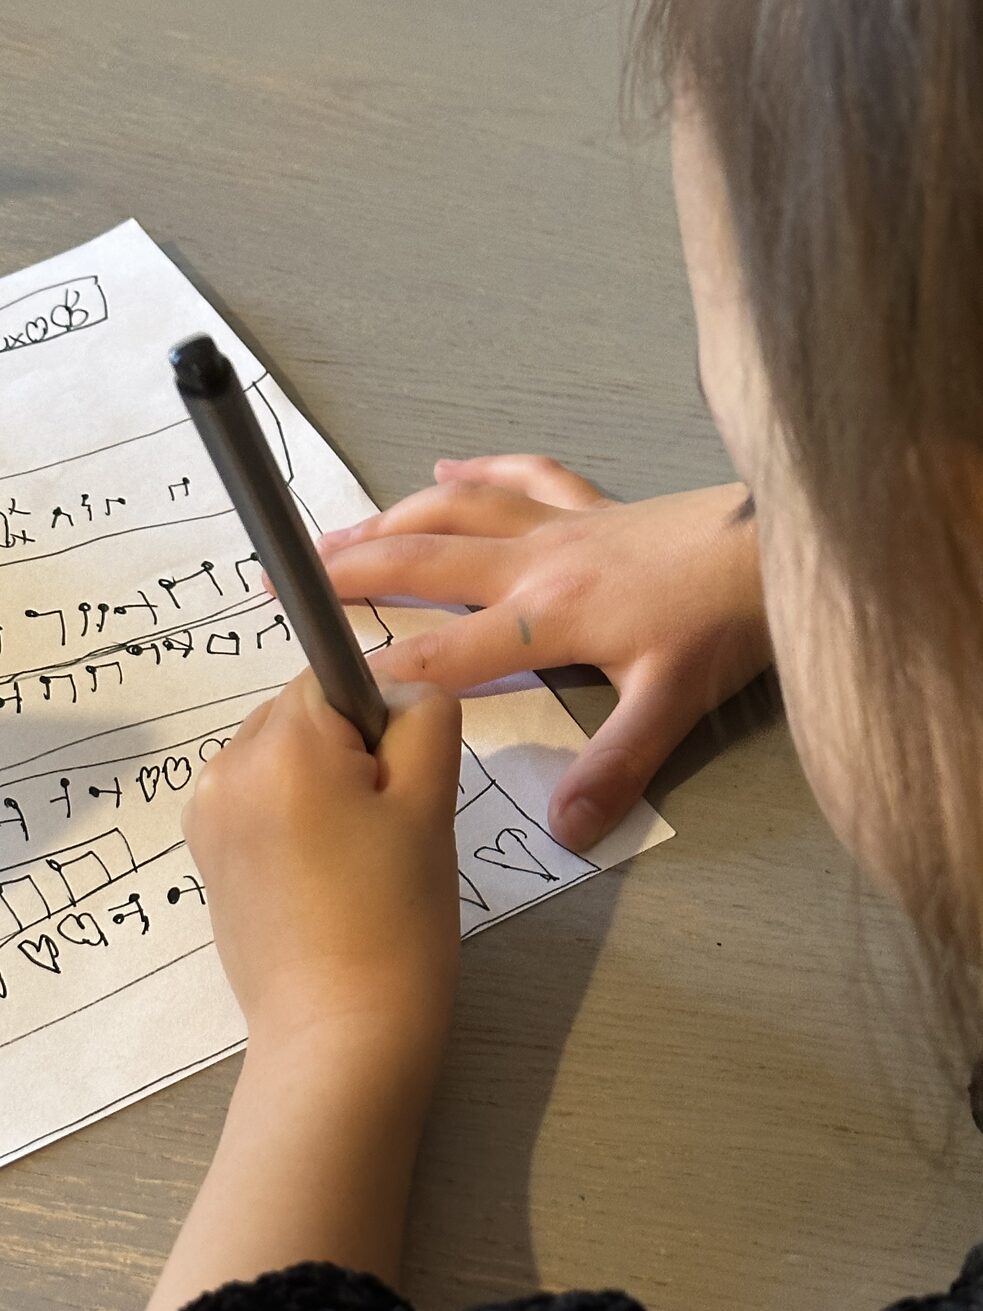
[473, 649]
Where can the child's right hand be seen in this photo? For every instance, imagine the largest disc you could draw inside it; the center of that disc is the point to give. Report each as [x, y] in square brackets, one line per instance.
[331, 872]
[664, 596]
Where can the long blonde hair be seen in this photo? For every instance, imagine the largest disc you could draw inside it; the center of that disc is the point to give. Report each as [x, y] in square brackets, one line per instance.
[850, 135]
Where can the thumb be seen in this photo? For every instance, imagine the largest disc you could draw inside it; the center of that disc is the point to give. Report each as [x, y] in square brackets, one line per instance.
[420, 752]
[617, 764]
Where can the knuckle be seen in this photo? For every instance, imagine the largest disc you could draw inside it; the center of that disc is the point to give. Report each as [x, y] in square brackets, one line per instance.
[460, 493]
[210, 784]
[626, 766]
[424, 651]
[572, 589]
[407, 550]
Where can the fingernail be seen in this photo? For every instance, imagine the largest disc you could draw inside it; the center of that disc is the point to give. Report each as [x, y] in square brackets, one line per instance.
[583, 824]
[444, 463]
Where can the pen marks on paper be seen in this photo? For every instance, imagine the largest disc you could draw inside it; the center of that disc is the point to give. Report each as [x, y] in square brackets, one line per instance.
[52, 312]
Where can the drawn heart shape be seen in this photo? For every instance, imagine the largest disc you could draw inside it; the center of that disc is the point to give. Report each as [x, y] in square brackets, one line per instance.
[44, 947]
[217, 743]
[82, 930]
[37, 329]
[149, 780]
[510, 852]
[177, 772]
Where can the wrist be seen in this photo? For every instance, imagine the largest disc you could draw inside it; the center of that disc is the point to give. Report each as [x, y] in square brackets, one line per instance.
[398, 1035]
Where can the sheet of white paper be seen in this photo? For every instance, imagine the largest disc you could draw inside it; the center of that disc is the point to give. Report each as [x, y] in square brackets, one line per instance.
[134, 636]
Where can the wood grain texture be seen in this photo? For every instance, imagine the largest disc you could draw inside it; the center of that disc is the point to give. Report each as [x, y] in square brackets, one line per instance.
[701, 1077]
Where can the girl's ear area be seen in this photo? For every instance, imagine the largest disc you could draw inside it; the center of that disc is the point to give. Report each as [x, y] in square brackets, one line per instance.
[731, 375]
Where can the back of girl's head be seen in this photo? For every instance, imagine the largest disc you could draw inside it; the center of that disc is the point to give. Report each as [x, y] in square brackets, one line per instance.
[849, 137]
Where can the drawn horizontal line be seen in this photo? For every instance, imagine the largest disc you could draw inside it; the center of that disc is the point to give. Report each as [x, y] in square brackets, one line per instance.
[28, 1033]
[123, 532]
[55, 286]
[122, 760]
[171, 1075]
[138, 723]
[112, 446]
[544, 896]
[241, 607]
[62, 332]
[471, 800]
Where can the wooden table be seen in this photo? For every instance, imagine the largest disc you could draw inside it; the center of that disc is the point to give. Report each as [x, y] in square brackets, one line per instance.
[703, 1077]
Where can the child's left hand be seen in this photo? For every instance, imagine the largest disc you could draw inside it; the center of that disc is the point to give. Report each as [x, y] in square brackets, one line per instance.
[331, 873]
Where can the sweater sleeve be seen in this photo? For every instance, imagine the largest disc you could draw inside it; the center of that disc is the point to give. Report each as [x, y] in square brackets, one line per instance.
[320, 1286]
[313, 1286]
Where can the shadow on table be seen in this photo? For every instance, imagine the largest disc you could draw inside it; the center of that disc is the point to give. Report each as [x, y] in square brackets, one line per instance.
[471, 1234]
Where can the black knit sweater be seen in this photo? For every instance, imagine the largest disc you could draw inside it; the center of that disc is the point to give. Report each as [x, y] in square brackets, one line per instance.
[318, 1286]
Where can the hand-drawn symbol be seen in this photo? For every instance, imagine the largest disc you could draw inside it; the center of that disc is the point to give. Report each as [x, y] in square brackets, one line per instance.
[177, 772]
[64, 797]
[207, 570]
[81, 874]
[175, 894]
[34, 890]
[93, 672]
[103, 609]
[43, 953]
[47, 679]
[130, 907]
[143, 604]
[87, 505]
[113, 500]
[16, 818]
[50, 312]
[115, 791]
[137, 648]
[8, 538]
[84, 609]
[182, 641]
[252, 558]
[68, 313]
[82, 930]
[58, 513]
[16, 699]
[3, 987]
[149, 780]
[47, 614]
[184, 483]
[279, 623]
[215, 745]
[223, 644]
[474, 779]
[511, 852]
[14, 539]
[475, 899]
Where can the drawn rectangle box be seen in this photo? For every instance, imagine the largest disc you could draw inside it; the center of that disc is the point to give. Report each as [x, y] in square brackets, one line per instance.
[53, 882]
[83, 874]
[22, 902]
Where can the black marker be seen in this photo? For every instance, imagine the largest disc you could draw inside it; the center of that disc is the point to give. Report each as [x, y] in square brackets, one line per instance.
[233, 438]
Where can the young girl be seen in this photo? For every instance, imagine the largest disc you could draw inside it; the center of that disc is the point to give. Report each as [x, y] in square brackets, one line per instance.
[828, 162]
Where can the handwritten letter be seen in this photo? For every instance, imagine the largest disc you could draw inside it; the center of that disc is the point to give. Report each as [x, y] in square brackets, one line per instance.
[134, 637]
